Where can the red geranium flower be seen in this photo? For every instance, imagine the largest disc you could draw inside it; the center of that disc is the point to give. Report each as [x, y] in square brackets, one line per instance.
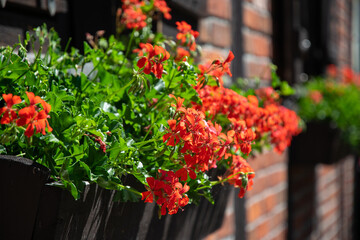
[153, 59]
[166, 191]
[33, 117]
[181, 53]
[161, 6]
[186, 35]
[9, 113]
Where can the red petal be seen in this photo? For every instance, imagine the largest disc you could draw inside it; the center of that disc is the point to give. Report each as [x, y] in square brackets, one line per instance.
[182, 174]
[166, 137]
[151, 182]
[171, 141]
[148, 47]
[147, 196]
[241, 193]
[158, 50]
[192, 174]
[230, 57]
[141, 62]
[147, 69]
[163, 210]
[29, 130]
[46, 106]
[2, 110]
[48, 126]
[6, 118]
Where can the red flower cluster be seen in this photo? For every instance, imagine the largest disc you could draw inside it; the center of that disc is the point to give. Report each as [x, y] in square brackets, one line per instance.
[216, 70]
[240, 175]
[331, 71]
[161, 6]
[133, 16]
[181, 53]
[201, 142]
[347, 74]
[273, 118]
[268, 95]
[167, 192]
[153, 59]
[9, 114]
[186, 35]
[316, 96]
[32, 116]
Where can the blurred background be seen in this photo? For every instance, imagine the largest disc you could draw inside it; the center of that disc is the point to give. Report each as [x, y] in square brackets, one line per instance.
[294, 196]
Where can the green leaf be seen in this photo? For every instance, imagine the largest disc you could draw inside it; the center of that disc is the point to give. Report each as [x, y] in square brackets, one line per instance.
[286, 90]
[117, 148]
[73, 190]
[87, 169]
[3, 150]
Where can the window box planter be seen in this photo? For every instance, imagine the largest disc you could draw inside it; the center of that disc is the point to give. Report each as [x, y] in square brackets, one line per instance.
[33, 209]
[323, 142]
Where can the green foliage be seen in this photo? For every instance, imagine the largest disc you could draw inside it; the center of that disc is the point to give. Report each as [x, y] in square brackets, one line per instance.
[334, 103]
[97, 94]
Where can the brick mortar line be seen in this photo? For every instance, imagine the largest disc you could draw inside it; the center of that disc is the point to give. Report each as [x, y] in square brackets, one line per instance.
[256, 59]
[216, 48]
[252, 6]
[324, 225]
[275, 231]
[323, 181]
[215, 19]
[327, 192]
[264, 194]
[327, 207]
[263, 218]
[264, 172]
[329, 234]
[248, 30]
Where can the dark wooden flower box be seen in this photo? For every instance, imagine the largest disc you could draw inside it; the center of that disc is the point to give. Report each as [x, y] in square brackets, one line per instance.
[319, 143]
[31, 209]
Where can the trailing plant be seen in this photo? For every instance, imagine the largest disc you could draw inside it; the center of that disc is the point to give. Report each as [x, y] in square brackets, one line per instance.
[135, 106]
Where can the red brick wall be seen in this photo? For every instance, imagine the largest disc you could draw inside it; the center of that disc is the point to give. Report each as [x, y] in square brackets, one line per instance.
[266, 203]
[334, 200]
[322, 200]
[215, 30]
[257, 31]
[341, 14]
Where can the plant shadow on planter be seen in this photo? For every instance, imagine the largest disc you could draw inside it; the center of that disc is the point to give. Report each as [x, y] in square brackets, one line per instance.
[318, 144]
